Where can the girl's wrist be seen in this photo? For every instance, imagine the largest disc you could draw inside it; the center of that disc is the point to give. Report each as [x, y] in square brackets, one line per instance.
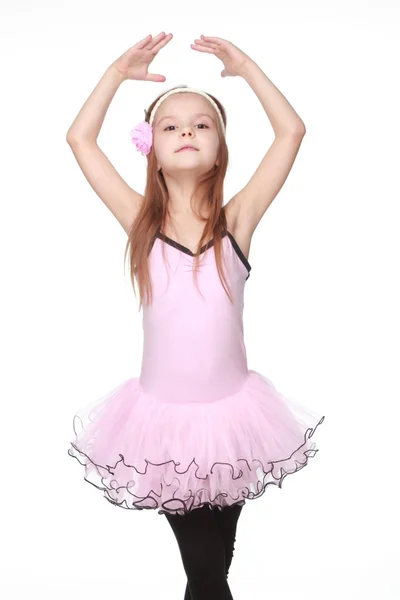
[118, 74]
[248, 67]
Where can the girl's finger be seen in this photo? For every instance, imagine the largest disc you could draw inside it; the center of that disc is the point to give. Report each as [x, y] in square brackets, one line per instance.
[208, 44]
[157, 47]
[202, 48]
[212, 39]
[142, 42]
[157, 38]
[155, 77]
[149, 39]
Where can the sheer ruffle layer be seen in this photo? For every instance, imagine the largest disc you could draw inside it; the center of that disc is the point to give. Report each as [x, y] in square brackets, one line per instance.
[144, 453]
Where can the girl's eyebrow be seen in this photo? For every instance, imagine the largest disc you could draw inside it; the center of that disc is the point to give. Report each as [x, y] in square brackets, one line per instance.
[196, 115]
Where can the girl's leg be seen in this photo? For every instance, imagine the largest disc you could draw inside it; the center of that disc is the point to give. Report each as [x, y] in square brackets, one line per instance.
[202, 550]
[227, 519]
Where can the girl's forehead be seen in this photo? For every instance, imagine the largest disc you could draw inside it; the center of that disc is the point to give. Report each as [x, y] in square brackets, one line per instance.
[184, 104]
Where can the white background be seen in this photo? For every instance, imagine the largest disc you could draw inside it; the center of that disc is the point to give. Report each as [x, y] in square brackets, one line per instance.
[321, 304]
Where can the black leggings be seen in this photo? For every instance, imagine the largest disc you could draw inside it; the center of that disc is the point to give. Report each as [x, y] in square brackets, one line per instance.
[206, 540]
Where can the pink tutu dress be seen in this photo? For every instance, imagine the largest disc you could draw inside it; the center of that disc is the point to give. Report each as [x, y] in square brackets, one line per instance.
[197, 426]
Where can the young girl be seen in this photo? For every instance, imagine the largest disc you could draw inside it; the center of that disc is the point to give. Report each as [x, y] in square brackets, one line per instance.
[197, 433]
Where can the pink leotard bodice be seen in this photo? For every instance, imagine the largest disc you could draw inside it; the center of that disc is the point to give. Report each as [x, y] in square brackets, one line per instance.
[194, 347]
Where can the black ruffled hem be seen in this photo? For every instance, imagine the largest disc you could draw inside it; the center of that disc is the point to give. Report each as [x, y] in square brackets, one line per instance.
[153, 501]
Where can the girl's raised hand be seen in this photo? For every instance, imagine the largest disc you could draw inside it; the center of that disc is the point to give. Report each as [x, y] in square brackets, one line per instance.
[134, 63]
[232, 57]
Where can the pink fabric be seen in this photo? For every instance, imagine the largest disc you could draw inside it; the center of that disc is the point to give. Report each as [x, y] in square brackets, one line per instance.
[197, 426]
[142, 137]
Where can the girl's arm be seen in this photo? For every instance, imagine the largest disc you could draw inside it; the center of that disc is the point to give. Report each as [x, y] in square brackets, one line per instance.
[87, 124]
[249, 205]
[116, 194]
[253, 200]
[112, 189]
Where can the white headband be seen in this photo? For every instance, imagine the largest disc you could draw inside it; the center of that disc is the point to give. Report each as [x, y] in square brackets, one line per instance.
[186, 89]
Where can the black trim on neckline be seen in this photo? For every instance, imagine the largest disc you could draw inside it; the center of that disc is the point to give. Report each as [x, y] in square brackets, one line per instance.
[179, 246]
[209, 244]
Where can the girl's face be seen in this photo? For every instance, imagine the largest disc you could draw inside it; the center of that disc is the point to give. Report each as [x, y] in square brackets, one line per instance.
[186, 118]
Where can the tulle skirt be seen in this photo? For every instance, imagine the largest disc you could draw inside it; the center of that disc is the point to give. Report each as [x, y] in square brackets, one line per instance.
[143, 453]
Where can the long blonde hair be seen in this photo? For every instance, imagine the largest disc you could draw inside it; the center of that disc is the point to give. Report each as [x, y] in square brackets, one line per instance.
[153, 214]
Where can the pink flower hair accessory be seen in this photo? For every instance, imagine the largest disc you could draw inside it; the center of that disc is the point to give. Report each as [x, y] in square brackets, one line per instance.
[142, 137]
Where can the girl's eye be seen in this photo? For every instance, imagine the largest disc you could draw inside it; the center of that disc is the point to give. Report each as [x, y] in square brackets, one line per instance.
[206, 126]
